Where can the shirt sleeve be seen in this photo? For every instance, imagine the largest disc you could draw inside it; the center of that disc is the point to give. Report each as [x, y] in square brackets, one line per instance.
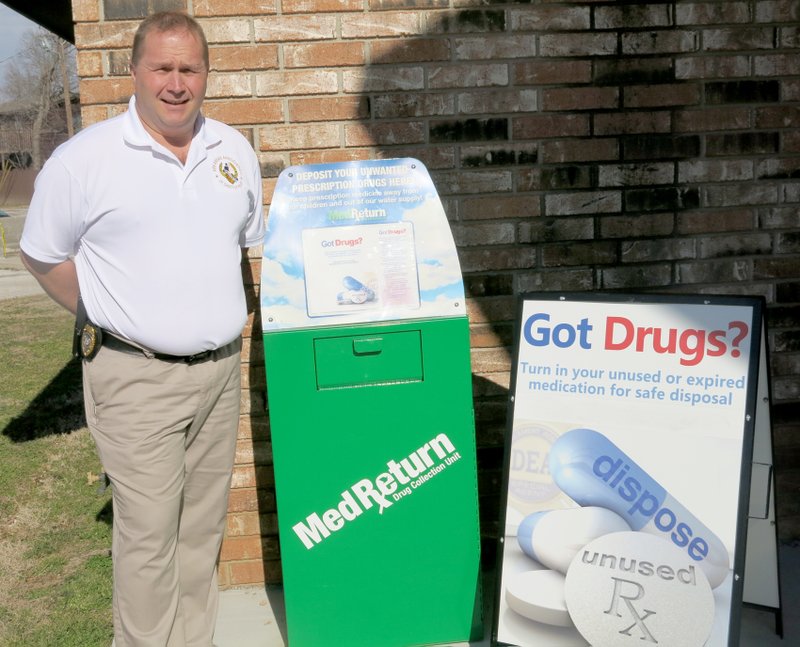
[253, 233]
[54, 221]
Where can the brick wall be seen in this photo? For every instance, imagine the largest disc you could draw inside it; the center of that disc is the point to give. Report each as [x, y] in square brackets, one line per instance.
[576, 145]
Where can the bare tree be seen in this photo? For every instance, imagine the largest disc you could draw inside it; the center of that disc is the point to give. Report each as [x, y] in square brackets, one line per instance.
[40, 83]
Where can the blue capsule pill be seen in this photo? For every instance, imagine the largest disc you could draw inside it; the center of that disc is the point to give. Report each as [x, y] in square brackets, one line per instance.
[593, 471]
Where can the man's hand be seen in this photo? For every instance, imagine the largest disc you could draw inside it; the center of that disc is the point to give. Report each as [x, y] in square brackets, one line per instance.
[59, 280]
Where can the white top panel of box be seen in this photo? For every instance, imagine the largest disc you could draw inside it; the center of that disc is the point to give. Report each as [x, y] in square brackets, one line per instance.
[358, 242]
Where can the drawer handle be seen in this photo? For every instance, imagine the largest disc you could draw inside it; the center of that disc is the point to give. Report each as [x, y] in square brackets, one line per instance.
[368, 346]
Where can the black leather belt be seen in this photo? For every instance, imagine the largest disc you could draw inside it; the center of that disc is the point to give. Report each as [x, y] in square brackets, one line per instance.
[110, 341]
[88, 338]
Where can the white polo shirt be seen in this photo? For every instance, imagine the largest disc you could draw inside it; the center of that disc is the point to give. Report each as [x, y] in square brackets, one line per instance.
[156, 243]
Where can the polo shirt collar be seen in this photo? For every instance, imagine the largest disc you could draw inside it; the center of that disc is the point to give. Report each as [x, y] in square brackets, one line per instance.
[134, 132]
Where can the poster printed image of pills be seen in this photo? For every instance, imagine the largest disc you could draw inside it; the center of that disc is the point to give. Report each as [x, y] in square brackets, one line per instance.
[593, 471]
[536, 565]
[533, 611]
[609, 494]
[632, 588]
[554, 537]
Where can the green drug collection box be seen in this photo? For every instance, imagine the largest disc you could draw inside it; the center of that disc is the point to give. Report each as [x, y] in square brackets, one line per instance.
[366, 343]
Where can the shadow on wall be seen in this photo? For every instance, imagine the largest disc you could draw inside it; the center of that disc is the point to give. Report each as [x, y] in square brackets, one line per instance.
[569, 172]
[256, 406]
[585, 177]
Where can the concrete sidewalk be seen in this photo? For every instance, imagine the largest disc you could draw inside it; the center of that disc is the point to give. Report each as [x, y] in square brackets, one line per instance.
[15, 281]
[255, 617]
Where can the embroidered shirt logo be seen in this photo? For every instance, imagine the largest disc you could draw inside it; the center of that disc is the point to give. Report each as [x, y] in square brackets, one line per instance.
[227, 171]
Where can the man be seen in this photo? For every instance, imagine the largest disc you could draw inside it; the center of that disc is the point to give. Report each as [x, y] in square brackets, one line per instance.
[136, 224]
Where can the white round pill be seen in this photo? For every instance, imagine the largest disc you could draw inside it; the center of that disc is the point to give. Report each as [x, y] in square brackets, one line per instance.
[539, 595]
[554, 537]
[636, 588]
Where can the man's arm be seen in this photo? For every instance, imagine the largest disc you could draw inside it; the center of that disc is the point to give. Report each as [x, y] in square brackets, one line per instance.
[59, 280]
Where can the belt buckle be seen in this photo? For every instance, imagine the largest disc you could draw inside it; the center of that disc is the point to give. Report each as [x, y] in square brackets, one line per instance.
[197, 357]
[91, 338]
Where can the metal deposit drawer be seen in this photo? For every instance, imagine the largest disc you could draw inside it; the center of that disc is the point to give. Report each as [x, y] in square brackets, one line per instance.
[369, 359]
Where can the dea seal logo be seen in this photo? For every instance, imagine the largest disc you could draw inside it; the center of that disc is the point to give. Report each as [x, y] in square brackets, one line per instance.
[530, 484]
[227, 172]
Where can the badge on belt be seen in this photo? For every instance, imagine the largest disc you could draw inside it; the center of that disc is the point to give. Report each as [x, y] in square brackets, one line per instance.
[87, 338]
[90, 341]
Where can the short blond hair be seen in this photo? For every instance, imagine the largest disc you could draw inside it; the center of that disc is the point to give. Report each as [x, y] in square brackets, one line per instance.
[165, 21]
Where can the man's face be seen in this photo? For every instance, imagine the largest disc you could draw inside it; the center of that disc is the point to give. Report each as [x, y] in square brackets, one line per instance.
[170, 84]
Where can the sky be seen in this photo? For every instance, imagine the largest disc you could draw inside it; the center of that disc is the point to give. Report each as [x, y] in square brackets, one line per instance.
[12, 27]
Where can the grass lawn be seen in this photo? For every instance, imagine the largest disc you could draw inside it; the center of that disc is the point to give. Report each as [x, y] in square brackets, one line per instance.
[55, 525]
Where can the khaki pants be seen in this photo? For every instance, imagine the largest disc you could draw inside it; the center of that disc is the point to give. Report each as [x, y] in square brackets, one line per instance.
[166, 435]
